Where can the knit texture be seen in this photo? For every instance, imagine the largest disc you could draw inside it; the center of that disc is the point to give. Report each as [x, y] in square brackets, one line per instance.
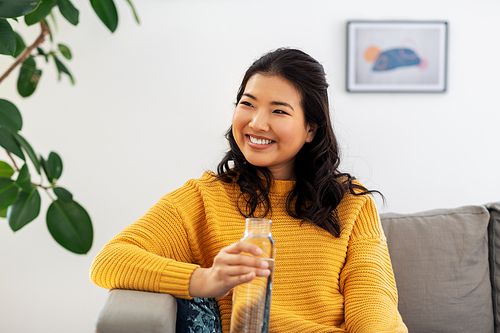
[321, 283]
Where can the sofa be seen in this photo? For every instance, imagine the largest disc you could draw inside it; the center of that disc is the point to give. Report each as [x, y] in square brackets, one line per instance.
[446, 263]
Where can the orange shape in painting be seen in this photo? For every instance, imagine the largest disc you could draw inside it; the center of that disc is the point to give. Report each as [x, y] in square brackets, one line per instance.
[372, 53]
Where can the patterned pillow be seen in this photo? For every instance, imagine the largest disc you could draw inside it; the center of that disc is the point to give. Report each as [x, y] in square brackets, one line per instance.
[199, 315]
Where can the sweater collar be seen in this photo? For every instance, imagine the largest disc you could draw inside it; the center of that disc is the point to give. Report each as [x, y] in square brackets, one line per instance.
[282, 186]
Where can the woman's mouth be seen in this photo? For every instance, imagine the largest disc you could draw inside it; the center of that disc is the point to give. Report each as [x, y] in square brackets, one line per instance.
[258, 143]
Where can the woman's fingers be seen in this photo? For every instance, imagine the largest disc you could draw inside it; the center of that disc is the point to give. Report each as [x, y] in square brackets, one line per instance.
[237, 270]
[236, 264]
[239, 247]
[242, 260]
[242, 253]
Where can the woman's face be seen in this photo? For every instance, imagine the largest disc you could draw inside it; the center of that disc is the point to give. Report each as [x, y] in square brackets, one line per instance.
[269, 125]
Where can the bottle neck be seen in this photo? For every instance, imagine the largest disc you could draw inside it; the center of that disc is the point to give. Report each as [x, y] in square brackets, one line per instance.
[255, 227]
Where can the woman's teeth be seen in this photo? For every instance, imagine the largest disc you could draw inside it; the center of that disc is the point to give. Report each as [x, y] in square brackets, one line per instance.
[260, 141]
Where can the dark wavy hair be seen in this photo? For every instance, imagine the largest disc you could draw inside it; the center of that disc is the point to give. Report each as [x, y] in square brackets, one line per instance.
[319, 186]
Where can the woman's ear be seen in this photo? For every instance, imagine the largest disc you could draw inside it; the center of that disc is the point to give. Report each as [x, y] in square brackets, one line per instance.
[311, 132]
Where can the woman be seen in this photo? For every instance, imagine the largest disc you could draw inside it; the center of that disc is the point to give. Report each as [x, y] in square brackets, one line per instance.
[333, 271]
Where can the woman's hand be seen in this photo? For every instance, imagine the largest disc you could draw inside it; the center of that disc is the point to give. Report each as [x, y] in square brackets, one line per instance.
[230, 269]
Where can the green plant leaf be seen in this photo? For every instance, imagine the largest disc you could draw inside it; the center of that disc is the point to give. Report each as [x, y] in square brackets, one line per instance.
[134, 11]
[6, 171]
[10, 116]
[55, 23]
[70, 225]
[8, 192]
[9, 143]
[51, 37]
[65, 51]
[16, 8]
[20, 45]
[63, 194]
[29, 150]
[52, 167]
[24, 210]
[24, 179]
[40, 12]
[42, 53]
[45, 167]
[69, 11]
[3, 213]
[29, 76]
[106, 11]
[7, 38]
[62, 69]
[55, 165]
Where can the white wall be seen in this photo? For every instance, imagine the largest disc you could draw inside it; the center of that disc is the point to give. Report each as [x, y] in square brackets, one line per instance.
[152, 102]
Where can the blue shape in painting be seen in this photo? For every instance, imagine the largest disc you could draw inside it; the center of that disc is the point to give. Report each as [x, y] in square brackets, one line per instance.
[395, 58]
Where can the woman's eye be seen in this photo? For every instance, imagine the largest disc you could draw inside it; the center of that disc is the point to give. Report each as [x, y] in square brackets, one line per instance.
[246, 103]
[280, 112]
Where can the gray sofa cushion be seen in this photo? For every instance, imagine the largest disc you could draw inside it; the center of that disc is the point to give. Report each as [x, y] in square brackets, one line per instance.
[494, 244]
[440, 261]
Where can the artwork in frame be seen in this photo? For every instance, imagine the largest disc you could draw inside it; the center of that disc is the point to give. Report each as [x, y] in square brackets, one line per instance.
[396, 56]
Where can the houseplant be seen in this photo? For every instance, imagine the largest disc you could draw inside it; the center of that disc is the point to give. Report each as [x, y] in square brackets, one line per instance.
[25, 173]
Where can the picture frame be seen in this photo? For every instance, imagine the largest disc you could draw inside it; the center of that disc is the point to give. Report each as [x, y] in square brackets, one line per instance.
[397, 56]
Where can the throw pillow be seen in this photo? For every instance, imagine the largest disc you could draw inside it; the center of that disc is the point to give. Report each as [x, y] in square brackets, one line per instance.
[198, 315]
[440, 262]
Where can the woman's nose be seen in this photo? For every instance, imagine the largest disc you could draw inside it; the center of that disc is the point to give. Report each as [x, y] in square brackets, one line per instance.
[259, 122]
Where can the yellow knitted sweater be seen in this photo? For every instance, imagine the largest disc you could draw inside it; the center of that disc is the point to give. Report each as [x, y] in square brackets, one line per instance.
[321, 283]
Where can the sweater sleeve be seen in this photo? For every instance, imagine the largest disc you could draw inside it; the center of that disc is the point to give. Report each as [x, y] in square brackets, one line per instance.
[152, 254]
[367, 279]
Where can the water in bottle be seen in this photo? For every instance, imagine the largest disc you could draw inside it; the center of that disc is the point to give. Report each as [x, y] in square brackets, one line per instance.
[252, 301]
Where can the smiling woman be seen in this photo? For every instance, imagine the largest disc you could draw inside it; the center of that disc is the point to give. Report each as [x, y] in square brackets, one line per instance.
[269, 125]
[332, 273]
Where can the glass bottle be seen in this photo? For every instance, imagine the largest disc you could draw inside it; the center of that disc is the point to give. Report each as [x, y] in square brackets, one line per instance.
[252, 301]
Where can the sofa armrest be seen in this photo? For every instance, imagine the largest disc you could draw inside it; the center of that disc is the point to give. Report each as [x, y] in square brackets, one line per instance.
[130, 311]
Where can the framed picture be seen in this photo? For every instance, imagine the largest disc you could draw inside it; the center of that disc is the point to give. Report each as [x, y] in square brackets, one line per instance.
[396, 56]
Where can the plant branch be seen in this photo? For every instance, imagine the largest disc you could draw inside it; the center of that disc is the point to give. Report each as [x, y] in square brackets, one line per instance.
[46, 188]
[48, 193]
[26, 53]
[13, 162]
[17, 169]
